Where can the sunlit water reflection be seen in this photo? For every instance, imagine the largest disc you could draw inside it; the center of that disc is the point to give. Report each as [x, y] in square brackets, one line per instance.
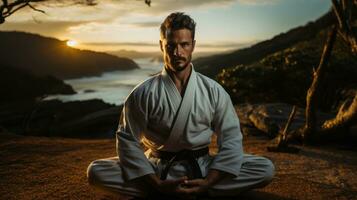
[111, 87]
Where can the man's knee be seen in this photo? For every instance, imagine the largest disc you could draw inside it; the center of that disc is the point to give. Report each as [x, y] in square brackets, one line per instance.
[92, 173]
[269, 171]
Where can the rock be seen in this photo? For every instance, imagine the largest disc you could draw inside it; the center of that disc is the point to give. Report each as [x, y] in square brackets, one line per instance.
[271, 118]
[246, 125]
[243, 112]
[264, 124]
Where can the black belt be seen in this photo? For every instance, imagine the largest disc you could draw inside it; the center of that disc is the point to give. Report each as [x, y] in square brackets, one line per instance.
[183, 155]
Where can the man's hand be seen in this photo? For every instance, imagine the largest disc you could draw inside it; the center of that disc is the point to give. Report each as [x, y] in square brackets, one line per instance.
[194, 187]
[200, 186]
[183, 186]
[171, 187]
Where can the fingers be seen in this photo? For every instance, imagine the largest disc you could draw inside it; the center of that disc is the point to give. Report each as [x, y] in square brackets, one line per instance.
[187, 191]
[180, 180]
[194, 182]
[183, 178]
[195, 186]
[177, 181]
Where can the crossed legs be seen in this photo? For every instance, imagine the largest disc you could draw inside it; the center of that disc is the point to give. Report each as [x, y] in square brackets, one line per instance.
[106, 174]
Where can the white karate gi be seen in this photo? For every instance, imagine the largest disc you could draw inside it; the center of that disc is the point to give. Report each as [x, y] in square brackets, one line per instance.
[156, 115]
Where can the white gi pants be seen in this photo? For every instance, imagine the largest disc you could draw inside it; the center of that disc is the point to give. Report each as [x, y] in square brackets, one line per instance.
[107, 174]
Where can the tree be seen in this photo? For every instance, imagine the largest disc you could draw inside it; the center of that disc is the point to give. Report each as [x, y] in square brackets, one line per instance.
[347, 114]
[9, 7]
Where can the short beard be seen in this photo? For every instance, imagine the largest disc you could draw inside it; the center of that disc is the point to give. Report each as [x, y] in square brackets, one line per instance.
[179, 68]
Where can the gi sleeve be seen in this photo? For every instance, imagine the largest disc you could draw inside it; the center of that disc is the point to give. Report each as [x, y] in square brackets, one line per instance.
[229, 137]
[132, 124]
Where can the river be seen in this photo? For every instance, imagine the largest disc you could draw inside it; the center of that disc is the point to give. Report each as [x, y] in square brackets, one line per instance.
[111, 87]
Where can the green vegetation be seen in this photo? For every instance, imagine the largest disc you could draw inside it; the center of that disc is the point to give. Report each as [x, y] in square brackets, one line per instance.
[286, 75]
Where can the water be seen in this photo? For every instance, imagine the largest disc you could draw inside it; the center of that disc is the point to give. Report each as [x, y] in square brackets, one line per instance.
[111, 87]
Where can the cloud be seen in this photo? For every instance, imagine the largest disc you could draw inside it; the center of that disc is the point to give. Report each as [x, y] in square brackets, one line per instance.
[120, 44]
[258, 2]
[116, 10]
[112, 9]
[107, 14]
[150, 24]
[109, 20]
[165, 6]
[53, 29]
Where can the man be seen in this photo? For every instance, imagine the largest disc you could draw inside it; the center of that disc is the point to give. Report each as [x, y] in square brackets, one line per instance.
[174, 114]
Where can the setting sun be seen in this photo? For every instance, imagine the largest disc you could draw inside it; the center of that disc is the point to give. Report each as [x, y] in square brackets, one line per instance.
[71, 43]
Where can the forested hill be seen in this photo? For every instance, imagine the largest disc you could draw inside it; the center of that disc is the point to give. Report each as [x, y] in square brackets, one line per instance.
[212, 65]
[280, 69]
[49, 56]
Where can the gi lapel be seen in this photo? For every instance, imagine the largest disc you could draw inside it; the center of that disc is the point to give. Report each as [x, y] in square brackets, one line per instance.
[171, 89]
[182, 113]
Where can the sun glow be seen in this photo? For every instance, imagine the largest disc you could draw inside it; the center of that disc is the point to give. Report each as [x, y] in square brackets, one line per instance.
[72, 43]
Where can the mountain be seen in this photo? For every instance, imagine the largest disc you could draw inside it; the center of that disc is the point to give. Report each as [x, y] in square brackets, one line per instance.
[212, 65]
[135, 54]
[49, 56]
[18, 84]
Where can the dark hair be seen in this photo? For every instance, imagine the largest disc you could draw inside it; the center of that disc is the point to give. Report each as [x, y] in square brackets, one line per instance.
[176, 21]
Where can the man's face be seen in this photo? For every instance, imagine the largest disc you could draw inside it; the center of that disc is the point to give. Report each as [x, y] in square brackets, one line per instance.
[177, 49]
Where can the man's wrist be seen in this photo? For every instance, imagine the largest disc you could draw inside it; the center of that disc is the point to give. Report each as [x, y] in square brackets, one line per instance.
[209, 181]
[214, 176]
[152, 180]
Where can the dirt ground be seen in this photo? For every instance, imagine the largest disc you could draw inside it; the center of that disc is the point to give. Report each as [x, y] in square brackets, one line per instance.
[55, 168]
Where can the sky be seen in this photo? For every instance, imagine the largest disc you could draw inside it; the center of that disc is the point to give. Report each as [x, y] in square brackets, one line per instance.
[111, 25]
